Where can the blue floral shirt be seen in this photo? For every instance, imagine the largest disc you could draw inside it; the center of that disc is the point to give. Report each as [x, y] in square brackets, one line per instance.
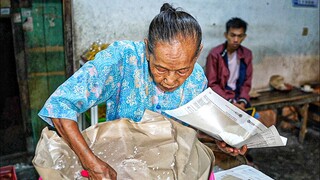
[120, 77]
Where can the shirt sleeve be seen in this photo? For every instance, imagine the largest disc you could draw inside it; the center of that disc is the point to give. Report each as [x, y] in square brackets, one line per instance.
[212, 73]
[198, 81]
[246, 87]
[95, 82]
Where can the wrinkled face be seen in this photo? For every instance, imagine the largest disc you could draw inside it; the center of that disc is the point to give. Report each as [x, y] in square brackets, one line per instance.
[235, 36]
[172, 63]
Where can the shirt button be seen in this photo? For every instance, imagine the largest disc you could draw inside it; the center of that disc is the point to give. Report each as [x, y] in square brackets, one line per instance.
[158, 106]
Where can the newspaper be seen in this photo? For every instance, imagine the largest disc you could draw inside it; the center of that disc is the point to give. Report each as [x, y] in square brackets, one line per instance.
[242, 172]
[222, 120]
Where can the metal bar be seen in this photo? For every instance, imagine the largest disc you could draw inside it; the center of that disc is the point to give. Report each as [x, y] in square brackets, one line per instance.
[94, 115]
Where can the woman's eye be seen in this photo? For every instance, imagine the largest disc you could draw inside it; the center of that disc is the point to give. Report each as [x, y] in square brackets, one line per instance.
[161, 70]
[183, 71]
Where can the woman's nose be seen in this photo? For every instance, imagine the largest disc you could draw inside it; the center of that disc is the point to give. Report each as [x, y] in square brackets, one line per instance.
[171, 78]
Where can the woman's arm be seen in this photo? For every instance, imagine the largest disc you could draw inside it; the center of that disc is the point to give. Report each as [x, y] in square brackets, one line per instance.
[222, 145]
[70, 132]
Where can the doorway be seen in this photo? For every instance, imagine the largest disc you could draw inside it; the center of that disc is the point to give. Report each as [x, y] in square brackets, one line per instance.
[12, 135]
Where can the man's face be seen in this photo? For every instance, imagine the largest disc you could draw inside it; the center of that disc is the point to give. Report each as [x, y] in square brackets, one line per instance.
[235, 36]
[172, 63]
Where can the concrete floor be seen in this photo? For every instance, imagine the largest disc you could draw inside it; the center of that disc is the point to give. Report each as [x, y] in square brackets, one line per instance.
[295, 161]
[23, 165]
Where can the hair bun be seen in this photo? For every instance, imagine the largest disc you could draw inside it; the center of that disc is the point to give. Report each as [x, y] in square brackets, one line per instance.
[167, 7]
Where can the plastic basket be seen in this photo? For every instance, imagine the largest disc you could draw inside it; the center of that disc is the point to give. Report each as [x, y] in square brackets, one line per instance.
[8, 173]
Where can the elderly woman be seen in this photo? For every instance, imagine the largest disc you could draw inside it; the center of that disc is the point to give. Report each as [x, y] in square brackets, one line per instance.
[158, 74]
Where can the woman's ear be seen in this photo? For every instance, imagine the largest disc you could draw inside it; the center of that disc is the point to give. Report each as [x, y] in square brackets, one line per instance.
[198, 52]
[147, 49]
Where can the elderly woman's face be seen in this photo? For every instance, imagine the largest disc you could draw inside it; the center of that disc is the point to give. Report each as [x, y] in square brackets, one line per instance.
[172, 63]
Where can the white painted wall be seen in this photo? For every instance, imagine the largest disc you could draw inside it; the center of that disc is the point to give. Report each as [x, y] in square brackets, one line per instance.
[274, 32]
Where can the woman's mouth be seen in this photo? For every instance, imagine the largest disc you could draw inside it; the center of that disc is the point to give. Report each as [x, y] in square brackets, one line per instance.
[165, 87]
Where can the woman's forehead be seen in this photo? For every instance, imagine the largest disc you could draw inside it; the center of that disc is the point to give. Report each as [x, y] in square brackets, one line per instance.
[174, 55]
[176, 48]
[173, 49]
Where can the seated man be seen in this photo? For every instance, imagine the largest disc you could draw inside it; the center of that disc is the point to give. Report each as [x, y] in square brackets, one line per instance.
[229, 67]
[229, 73]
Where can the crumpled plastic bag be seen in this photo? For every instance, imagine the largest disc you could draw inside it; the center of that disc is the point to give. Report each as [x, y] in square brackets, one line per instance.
[154, 148]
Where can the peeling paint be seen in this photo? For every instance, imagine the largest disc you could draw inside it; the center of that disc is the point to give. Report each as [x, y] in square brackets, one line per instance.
[51, 22]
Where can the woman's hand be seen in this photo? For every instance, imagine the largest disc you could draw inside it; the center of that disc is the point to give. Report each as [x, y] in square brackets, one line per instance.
[230, 150]
[222, 145]
[204, 138]
[98, 170]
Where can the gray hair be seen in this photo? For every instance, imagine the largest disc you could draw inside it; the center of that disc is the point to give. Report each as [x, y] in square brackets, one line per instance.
[170, 23]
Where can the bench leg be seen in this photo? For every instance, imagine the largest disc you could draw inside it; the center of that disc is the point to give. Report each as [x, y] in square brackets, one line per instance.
[303, 127]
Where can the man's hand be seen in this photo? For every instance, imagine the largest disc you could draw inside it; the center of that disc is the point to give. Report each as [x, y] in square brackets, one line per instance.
[240, 105]
[230, 150]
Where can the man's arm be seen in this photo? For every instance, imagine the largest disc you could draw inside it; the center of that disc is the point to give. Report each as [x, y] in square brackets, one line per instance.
[70, 132]
[246, 87]
[213, 76]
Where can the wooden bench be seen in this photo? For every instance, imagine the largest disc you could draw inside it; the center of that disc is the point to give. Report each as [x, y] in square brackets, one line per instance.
[276, 100]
